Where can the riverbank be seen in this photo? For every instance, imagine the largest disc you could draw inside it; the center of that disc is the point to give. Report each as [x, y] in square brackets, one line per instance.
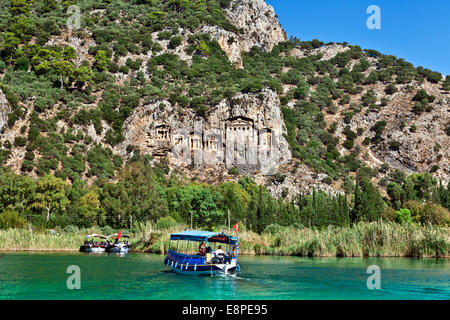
[376, 239]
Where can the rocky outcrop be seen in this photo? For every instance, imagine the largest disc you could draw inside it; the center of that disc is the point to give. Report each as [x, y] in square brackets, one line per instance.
[257, 26]
[257, 23]
[245, 132]
[409, 142]
[228, 41]
[81, 45]
[295, 179]
[4, 110]
[424, 149]
[328, 51]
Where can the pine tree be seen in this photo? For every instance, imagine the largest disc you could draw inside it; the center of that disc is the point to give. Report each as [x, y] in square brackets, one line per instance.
[369, 204]
[357, 203]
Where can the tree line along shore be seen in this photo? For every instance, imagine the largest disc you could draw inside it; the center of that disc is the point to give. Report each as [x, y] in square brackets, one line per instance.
[80, 185]
[149, 202]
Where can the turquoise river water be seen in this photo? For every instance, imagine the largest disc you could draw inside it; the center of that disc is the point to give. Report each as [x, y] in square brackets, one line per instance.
[144, 276]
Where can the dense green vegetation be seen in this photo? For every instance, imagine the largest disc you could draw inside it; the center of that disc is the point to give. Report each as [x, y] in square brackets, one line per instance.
[82, 184]
[144, 193]
[30, 68]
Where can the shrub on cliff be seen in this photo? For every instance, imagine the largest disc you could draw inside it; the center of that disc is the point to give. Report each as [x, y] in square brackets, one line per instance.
[446, 85]
[390, 89]
[423, 97]
[378, 128]
[174, 42]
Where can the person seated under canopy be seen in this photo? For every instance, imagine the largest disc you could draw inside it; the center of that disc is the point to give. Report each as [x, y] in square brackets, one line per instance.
[201, 249]
[219, 254]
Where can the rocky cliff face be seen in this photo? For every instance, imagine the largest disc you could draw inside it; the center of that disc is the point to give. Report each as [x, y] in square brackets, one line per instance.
[245, 132]
[257, 24]
[4, 111]
[410, 142]
[255, 20]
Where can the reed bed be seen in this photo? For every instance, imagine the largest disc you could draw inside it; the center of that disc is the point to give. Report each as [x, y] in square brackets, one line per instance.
[29, 240]
[43, 240]
[375, 239]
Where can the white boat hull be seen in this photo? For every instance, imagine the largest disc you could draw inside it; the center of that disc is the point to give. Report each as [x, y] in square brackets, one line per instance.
[208, 269]
[118, 250]
[95, 250]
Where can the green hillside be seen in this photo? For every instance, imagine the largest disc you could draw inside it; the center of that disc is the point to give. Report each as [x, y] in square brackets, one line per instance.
[132, 53]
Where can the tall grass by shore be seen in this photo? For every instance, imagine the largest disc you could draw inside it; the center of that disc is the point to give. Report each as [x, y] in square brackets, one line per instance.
[384, 239]
[29, 240]
[362, 240]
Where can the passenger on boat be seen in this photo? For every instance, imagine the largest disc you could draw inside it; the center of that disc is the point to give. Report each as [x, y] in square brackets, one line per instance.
[219, 254]
[208, 254]
[201, 249]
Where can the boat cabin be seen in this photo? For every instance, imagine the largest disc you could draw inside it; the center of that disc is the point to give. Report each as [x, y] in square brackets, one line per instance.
[198, 252]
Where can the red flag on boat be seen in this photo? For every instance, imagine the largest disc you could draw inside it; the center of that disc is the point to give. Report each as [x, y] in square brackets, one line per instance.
[120, 233]
[236, 227]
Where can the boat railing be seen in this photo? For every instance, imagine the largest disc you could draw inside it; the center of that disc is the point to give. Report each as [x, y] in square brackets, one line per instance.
[182, 258]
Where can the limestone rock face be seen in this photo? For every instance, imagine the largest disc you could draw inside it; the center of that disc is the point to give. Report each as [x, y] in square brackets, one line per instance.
[4, 111]
[257, 22]
[228, 41]
[302, 180]
[426, 148]
[420, 150]
[245, 132]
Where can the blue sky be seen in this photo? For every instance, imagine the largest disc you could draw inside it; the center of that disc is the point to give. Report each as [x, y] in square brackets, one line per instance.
[416, 30]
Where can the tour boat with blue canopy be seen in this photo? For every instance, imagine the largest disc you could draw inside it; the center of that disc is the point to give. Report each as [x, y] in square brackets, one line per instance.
[200, 252]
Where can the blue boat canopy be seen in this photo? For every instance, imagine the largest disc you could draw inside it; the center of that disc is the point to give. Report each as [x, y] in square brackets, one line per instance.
[204, 236]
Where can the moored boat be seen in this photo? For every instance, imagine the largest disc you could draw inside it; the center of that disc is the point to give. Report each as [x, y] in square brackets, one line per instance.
[92, 246]
[118, 246]
[208, 259]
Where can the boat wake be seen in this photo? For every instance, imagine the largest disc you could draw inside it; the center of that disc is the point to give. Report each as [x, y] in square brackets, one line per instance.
[231, 276]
